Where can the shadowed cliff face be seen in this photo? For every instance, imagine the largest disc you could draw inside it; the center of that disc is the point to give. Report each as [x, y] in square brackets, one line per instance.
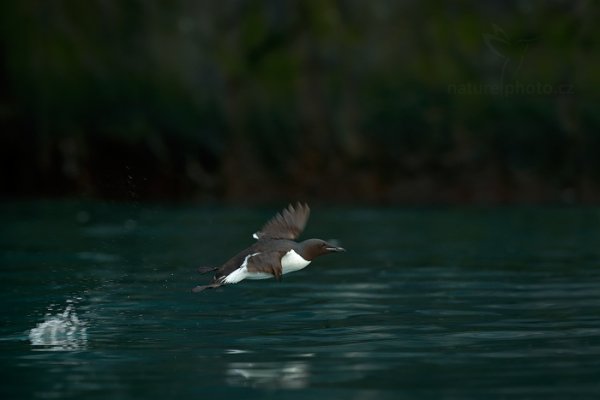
[339, 101]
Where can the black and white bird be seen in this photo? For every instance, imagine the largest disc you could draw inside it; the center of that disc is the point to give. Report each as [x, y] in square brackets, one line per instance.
[275, 252]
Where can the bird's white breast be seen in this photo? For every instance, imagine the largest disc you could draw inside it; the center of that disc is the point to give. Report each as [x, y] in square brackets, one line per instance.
[292, 262]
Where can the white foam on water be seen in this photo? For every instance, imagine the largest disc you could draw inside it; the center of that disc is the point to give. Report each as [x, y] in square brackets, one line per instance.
[63, 331]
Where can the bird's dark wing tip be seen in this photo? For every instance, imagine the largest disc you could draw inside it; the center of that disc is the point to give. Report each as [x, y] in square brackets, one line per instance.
[287, 224]
[202, 288]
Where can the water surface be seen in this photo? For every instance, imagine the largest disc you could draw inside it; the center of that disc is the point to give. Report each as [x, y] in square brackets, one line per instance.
[438, 303]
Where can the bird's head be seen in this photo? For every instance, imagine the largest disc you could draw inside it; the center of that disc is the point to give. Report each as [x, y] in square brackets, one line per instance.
[313, 248]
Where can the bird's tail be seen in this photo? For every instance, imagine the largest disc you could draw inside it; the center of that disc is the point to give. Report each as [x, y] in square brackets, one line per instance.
[202, 288]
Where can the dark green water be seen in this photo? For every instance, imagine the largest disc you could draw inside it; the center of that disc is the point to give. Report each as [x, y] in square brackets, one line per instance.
[439, 303]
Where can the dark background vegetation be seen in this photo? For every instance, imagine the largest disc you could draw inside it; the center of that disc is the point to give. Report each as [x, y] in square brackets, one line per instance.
[482, 102]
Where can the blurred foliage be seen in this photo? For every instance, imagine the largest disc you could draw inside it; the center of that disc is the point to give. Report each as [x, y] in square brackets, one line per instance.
[343, 100]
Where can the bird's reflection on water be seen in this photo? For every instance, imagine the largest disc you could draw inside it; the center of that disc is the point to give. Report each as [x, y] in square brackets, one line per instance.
[288, 374]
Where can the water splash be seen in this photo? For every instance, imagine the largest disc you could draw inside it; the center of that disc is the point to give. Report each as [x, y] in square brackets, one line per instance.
[63, 331]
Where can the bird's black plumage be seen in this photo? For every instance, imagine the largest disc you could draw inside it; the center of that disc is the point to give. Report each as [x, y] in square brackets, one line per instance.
[274, 251]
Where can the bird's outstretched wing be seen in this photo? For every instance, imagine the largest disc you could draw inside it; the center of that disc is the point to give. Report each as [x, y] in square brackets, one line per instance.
[288, 224]
[268, 263]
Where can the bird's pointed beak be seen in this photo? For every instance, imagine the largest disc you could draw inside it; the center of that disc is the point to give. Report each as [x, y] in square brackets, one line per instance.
[335, 248]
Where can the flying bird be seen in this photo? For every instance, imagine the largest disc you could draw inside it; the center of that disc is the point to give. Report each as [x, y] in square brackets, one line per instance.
[275, 252]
